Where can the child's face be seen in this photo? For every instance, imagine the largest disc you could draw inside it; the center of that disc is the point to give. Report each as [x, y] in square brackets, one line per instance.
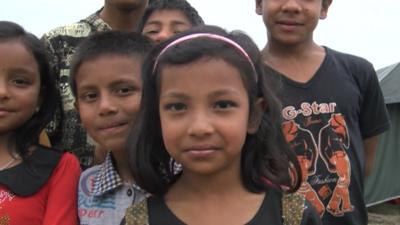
[291, 22]
[108, 97]
[19, 86]
[204, 113]
[162, 24]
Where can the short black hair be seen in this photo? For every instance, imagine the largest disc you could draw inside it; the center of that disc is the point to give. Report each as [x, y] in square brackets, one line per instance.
[28, 134]
[182, 5]
[120, 43]
[265, 154]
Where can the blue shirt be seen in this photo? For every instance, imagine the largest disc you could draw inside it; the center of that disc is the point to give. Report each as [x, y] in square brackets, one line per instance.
[102, 195]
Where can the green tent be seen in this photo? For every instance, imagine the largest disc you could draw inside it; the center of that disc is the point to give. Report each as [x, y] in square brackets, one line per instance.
[383, 183]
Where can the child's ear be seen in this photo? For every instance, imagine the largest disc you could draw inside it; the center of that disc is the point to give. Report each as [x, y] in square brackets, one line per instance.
[256, 117]
[259, 7]
[324, 9]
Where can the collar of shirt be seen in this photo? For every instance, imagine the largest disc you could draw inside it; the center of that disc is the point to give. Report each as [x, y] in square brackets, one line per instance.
[107, 179]
[28, 177]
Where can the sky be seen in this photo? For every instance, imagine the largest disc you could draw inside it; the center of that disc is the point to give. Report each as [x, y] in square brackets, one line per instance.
[367, 28]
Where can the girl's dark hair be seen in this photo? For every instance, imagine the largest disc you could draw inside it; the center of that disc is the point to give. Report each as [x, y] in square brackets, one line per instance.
[28, 134]
[182, 5]
[265, 154]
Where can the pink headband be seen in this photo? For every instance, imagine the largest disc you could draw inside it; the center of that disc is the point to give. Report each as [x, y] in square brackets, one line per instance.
[206, 35]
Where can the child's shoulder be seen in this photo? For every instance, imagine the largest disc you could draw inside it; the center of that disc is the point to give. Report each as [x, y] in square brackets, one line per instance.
[78, 29]
[358, 68]
[51, 156]
[69, 162]
[44, 158]
[56, 163]
[41, 165]
[348, 60]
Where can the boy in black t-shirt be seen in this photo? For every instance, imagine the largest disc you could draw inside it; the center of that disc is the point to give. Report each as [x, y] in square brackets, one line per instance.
[332, 106]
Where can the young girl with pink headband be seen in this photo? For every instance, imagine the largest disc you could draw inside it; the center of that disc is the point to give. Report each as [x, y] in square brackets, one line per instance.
[207, 105]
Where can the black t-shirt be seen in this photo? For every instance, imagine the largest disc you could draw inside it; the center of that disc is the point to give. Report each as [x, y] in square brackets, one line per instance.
[269, 212]
[325, 122]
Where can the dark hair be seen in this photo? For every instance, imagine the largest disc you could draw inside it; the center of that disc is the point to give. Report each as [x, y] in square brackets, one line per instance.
[191, 13]
[121, 43]
[28, 134]
[265, 154]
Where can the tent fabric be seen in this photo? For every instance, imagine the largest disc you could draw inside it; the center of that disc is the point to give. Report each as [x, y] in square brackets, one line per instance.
[383, 183]
[389, 79]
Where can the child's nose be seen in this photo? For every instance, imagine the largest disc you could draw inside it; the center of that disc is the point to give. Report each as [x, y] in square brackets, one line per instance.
[200, 125]
[292, 5]
[4, 94]
[163, 35]
[107, 106]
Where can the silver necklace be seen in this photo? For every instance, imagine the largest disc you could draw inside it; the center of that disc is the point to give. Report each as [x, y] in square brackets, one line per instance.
[8, 164]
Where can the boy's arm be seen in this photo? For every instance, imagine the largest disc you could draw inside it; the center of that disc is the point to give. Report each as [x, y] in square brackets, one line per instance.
[370, 146]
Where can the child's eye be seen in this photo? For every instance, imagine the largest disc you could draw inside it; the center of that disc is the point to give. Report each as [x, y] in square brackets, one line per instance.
[88, 97]
[152, 32]
[125, 90]
[224, 104]
[178, 31]
[20, 82]
[176, 107]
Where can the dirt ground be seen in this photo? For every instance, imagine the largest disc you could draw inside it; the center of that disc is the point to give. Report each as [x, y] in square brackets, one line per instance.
[384, 214]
